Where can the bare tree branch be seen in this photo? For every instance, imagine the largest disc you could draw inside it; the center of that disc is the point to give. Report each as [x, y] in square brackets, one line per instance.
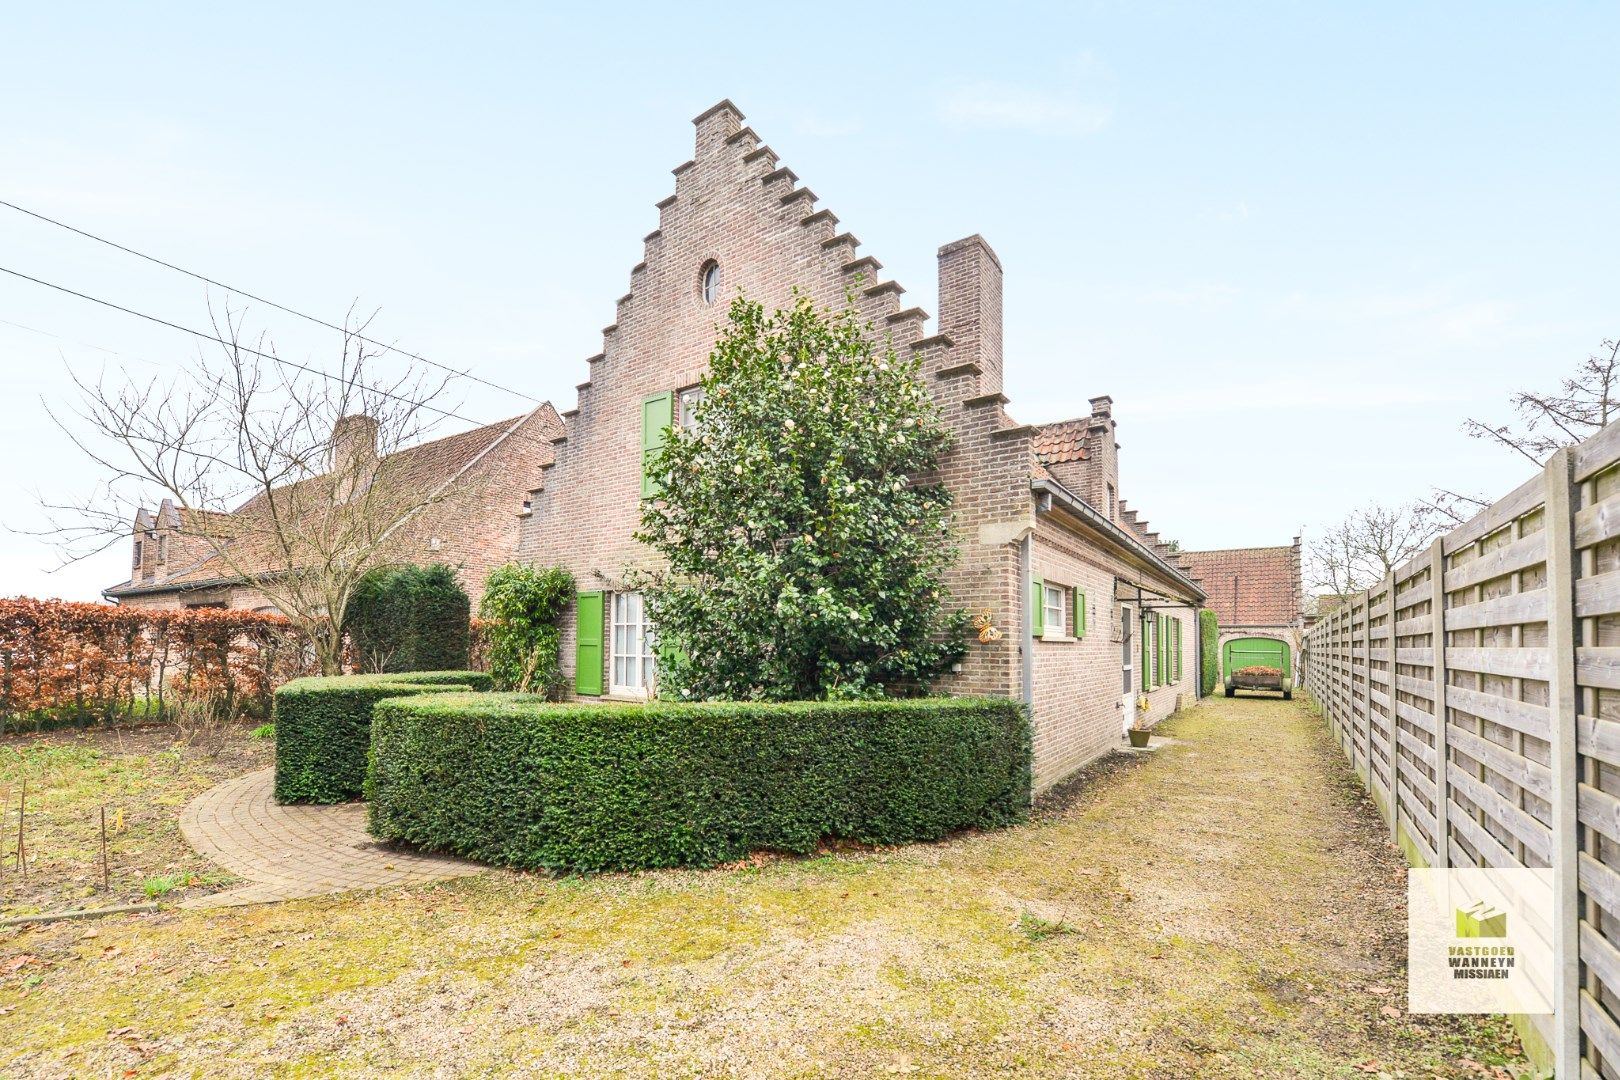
[1583, 406]
[1361, 550]
[282, 476]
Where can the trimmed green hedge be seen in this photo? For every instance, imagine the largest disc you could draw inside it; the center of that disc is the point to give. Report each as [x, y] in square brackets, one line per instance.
[1209, 638]
[512, 780]
[323, 728]
[403, 619]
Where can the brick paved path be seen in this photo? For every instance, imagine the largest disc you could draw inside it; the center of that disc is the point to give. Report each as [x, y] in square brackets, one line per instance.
[295, 851]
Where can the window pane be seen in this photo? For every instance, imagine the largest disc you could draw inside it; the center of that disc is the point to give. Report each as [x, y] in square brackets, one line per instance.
[1054, 610]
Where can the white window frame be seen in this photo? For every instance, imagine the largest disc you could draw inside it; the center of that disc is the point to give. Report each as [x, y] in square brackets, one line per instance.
[1054, 627]
[686, 403]
[633, 647]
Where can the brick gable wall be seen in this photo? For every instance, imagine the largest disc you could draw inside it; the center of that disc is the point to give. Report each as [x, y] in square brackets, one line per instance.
[736, 205]
[1258, 586]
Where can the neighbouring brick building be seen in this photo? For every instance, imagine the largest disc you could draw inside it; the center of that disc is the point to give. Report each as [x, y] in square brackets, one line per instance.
[1093, 611]
[473, 485]
[1254, 592]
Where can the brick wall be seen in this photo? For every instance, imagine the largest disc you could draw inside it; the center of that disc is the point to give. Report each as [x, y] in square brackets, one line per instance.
[1080, 709]
[737, 206]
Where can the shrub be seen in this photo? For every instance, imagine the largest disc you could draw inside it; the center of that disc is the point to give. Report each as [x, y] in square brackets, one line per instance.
[521, 607]
[806, 534]
[323, 728]
[1209, 639]
[512, 780]
[409, 618]
[70, 662]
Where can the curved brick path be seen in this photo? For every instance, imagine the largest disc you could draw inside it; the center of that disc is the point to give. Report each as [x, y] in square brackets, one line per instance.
[296, 851]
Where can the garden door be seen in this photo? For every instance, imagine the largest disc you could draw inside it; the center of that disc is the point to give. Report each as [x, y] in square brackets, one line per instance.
[1127, 621]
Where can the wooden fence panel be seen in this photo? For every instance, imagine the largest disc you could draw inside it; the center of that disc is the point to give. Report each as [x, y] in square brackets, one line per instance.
[1476, 692]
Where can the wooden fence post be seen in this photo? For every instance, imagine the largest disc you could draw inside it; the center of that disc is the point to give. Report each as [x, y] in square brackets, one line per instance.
[1437, 642]
[1366, 683]
[1390, 717]
[1563, 708]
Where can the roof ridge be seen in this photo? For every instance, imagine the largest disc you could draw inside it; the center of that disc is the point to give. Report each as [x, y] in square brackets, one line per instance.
[1256, 547]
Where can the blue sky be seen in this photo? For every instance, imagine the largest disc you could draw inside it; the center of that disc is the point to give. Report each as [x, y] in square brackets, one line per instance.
[1317, 238]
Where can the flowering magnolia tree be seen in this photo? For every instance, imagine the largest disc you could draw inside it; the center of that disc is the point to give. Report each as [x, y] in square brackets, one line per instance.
[805, 557]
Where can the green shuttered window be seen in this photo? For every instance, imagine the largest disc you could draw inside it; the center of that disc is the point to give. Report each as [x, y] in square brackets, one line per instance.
[588, 643]
[1037, 602]
[657, 414]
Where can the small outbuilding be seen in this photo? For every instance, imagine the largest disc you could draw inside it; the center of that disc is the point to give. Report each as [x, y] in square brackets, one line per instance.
[1258, 596]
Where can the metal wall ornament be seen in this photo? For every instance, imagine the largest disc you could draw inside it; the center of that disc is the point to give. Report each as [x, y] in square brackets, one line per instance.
[984, 623]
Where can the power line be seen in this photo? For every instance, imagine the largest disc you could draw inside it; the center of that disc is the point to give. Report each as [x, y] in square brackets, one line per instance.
[271, 303]
[251, 351]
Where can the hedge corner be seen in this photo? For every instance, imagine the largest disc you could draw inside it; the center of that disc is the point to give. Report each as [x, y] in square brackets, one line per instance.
[323, 728]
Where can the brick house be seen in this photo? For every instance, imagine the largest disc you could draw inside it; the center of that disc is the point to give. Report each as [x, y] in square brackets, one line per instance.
[1092, 610]
[472, 485]
[1254, 592]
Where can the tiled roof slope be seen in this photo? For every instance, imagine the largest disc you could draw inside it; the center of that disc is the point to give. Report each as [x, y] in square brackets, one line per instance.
[426, 467]
[1257, 586]
[1062, 441]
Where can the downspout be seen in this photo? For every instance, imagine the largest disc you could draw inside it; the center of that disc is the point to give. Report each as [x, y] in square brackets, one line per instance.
[1026, 572]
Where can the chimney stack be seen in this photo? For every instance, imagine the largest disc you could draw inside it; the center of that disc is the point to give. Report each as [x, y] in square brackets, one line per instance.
[353, 452]
[970, 307]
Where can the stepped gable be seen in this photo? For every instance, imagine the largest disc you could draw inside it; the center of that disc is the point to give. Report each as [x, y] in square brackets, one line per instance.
[737, 206]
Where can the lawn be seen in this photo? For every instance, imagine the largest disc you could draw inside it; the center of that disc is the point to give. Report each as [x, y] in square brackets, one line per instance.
[141, 776]
[1226, 907]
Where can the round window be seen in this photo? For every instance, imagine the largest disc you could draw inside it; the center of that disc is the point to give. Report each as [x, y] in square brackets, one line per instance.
[710, 279]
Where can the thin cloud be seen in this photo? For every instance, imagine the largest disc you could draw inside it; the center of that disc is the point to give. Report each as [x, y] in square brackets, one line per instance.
[1002, 106]
[1081, 102]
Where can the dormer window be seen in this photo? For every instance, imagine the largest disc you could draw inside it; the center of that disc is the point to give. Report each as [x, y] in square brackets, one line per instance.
[163, 550]
[138, 547]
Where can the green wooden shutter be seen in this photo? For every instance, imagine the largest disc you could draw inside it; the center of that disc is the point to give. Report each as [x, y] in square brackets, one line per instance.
[1164, 649]
[1147, 645]
[1037, 597]
[657, 414]
[588, 642]
[1079, 613]
[1178, 650]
